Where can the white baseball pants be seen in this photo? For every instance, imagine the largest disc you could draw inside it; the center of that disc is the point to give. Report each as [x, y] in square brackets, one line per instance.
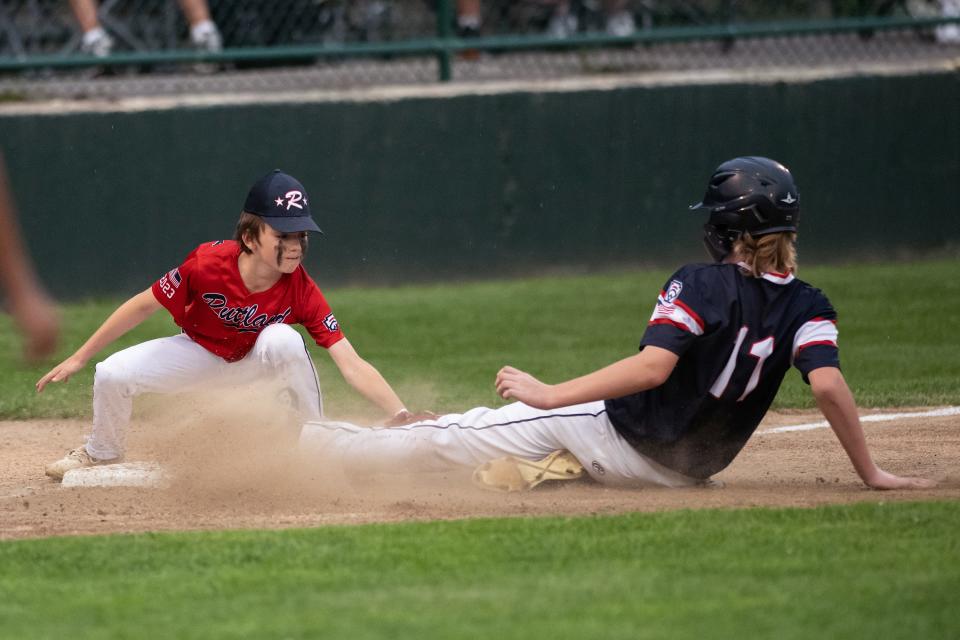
[482, 434]
[178, 364]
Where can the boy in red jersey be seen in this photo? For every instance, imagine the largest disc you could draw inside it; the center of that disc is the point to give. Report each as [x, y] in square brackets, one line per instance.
[234, 301]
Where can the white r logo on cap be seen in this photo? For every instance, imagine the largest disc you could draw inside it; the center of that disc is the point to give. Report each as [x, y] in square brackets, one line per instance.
[293, 199]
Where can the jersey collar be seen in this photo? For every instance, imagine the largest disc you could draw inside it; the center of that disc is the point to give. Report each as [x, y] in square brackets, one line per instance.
[775, 278]
[778, 278]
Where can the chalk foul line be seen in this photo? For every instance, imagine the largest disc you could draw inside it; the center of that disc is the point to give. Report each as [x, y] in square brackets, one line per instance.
[877, 417]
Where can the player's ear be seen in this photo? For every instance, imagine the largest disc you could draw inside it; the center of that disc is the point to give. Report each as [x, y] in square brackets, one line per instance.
[251, 237]
[248, 230]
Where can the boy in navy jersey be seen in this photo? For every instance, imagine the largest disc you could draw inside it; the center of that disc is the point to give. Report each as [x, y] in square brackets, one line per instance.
[234, 301]
[718, 344]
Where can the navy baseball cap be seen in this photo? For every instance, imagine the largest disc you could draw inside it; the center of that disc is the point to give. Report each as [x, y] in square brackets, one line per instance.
[282, 202]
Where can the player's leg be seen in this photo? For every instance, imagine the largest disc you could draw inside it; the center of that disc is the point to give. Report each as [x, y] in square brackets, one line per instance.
[204, 34]
[281, 355]
[95, 40]
[165, 365]
[610, 459]
[177, 364]
[585, 431]
[448, 442]
[482, 434]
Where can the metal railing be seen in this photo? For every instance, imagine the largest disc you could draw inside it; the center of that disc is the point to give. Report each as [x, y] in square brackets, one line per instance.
[41, 35]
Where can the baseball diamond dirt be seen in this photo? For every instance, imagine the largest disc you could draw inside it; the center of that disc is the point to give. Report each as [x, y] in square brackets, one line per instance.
[231, 473]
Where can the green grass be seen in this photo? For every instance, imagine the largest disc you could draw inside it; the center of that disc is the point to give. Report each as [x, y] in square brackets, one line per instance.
[866, 571]
[441, 345]
[863, 571]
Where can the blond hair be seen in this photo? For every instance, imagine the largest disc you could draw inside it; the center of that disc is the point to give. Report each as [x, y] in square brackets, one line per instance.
[771, 253]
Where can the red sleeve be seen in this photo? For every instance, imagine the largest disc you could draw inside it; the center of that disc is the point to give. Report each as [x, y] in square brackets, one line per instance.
[172, 289]
[315, 313]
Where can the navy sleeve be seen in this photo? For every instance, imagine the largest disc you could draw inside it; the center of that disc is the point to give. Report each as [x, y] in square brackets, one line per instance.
[677, 318]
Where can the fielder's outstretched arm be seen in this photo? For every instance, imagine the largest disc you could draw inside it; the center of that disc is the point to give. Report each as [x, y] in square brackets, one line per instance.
[364, 377]
[837, 404]
[648, 369]
[127, 316]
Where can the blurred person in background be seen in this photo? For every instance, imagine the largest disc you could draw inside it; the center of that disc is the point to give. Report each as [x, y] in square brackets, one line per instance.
[469, 22]
[32, 309]
[97, 42]
[468, 18]
[949, 33]
[618, 21]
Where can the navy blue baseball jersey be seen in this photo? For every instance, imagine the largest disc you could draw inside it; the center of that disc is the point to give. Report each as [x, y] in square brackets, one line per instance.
[736, 336]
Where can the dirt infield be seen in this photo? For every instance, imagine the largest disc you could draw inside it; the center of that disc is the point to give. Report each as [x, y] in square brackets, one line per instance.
[228, 475]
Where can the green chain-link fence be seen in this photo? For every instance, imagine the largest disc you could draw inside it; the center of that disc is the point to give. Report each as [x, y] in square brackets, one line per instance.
[337, 43]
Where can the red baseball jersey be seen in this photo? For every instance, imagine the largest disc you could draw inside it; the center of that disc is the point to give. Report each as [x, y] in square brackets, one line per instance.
[208, 300]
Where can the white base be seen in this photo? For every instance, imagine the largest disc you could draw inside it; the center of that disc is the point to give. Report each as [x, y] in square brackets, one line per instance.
[125, 474]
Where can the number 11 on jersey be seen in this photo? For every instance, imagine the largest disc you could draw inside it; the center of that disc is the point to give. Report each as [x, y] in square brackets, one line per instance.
[761, 350]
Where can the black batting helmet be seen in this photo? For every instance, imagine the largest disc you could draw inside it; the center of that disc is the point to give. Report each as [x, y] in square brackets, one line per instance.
[748, 194]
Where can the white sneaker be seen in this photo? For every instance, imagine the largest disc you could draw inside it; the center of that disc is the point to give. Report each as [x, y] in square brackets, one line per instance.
[948, 34]
[206, 37]
[509, 474]
[621, 24]
[76, 459]
[96, 43]
[562, 26]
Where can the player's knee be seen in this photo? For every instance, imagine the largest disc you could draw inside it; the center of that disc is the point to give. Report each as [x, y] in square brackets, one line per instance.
[281, 342]
[109, 374]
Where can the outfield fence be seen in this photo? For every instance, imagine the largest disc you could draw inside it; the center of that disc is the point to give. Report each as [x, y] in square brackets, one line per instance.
[584, 175]
[466, 180]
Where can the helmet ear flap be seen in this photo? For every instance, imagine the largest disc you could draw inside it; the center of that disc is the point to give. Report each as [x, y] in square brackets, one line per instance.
[719, 240]
[758, 215]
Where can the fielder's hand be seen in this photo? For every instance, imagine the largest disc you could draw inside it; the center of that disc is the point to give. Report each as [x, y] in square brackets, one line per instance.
[61, 372]
[884, 481]
[39, 322]
[520, 385]
[408, 417]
